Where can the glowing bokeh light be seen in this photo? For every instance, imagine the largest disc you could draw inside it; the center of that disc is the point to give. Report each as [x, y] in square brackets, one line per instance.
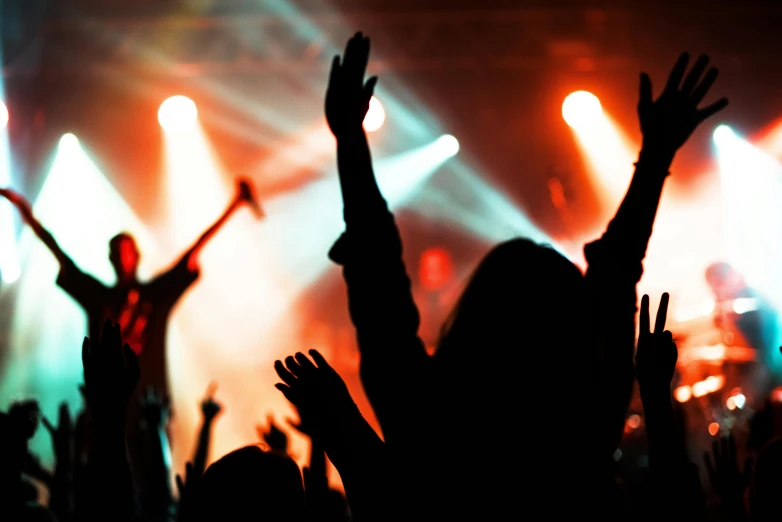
[682, 393]
[68, 141]
[449, 145]
[177, 113]
[3, 115]
[375, 117]
[750, 190]
[714, 429]
[581, 109]
[708, 385]
[723, 134]
[9, 260]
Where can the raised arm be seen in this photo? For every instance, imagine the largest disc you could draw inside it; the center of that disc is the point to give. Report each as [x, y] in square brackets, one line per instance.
[393, 358]
[666, 125]
[324, 404]
[674, 485]
[210, 409]
[111, 373]
[243, 195]
[25, 209]
[615, 260]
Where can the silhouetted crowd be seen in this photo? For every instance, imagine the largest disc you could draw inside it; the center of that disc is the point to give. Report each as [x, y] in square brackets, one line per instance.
[459, 439]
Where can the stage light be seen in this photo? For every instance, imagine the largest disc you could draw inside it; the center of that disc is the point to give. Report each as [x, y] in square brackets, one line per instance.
[177, 113]
[682, 393]
[448, 144]
[722, 134]
[68, 141]
[581, 109]
[435, 268]
[3, 115]
[375, 117]
[714, 429]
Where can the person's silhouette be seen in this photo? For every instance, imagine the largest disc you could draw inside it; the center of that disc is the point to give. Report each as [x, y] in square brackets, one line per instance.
[141, 309]
[755, 326]
[529, 332]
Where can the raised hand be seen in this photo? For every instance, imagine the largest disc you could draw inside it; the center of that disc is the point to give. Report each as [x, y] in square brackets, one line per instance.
[111, 373]
[667, 122]
[315, 391]
[656, 357]
[273, 436]
[156, 409]
[727, 480]
[347, 97]
[210, 408]
[62, 435]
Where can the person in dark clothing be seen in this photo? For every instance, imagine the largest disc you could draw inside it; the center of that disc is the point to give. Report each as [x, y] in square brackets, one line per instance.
[526, 309]
[141, 309]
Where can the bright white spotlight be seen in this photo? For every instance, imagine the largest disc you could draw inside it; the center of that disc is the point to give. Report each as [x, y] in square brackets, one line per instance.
[11, 274]
[375, 117]
[722, 134]
[69, 140]
[3, 115]
[581, 109]
[177, 113]
[449, 145]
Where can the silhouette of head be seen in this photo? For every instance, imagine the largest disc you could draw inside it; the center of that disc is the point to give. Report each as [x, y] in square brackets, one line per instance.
[251, 484]
[516, 344]
[521, 305]
[124, 256]
[724, 280]
[767, 483]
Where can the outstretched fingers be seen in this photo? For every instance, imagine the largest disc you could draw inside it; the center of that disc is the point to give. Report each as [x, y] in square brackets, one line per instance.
[645, 92]
[288, 393]
[356, 58]
[695, 74]
[319, 359]
[369, 88]
[700, 92]
[644, 316]
[305, 363]
[662, 314]
[286, 376]
[675, 79]
[292, 365]
[707, 112]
